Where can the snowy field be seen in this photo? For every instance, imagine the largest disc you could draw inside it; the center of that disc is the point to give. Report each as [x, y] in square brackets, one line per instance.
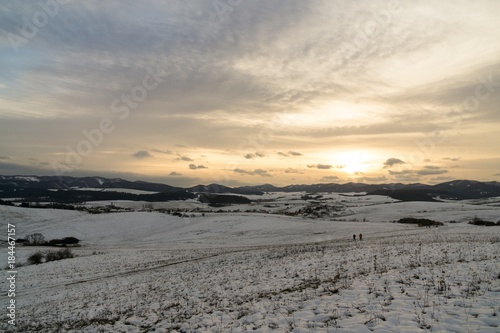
[233, 270]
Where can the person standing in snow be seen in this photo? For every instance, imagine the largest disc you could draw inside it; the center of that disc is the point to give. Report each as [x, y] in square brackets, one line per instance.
[360, 237]
[354, 237]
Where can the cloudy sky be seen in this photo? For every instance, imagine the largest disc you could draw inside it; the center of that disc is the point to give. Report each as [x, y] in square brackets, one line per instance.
[251, 92]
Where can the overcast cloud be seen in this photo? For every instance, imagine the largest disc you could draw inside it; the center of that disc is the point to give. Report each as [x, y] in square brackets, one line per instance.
[314, 84]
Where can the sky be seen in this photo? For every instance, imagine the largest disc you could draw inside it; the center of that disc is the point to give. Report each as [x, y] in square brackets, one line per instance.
[241, 92]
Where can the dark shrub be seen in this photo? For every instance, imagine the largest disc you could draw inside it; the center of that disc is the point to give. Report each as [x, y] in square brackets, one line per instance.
[54, 242]
[36, 258]
[65, 254]
[65, 241]
[70, 240]
[478, 221]
[420, 222]
[59, 255]
[52, 256]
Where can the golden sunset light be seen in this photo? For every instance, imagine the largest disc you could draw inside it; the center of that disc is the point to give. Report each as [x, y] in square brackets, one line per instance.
[275, 92]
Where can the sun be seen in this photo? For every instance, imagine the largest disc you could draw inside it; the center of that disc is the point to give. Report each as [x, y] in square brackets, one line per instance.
[353, 161]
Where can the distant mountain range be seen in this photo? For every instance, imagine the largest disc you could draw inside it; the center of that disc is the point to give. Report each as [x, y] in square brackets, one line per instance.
[74, 188]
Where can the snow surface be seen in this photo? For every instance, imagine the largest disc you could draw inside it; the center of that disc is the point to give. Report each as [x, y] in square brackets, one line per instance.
[28, 178]
[232, 271]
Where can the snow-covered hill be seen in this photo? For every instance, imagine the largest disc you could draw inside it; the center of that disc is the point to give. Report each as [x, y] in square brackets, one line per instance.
[238, 271]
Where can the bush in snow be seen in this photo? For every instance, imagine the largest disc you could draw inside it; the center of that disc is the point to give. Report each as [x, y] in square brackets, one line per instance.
[478, 221]
[420, 222]
[40, 257]
[58, 255]
[67, 241]
[36, 258]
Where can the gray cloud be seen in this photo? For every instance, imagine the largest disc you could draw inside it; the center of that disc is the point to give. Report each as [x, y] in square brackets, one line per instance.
[452, 92]
[173, 173]
[250, 156]
[167, 152]
[329, 178]
[256, 172]
[402, 172]
[289, 153]
[196, 167]
[431, 171]
[372, 179]
[425, 171]
[366, 130]
[141, 154]
[291, 170]
[37, 162]
[392, 161]
[260, 154]
[195, 58]
[325, 166]
[320, 166]
[184, 158]
[20, 169]
[294, 153]
[3, 158]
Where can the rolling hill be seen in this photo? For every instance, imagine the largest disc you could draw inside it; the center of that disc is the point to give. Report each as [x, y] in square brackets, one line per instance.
[75, 189]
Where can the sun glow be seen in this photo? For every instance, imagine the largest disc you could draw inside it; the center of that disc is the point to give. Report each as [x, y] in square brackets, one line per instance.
[354, 161]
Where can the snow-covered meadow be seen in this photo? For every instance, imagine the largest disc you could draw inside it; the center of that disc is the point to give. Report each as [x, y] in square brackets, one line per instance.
[235, 271]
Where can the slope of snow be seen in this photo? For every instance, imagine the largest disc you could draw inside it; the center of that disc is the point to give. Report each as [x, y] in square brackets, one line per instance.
[239, 272]
[188, 204]
[440, 211]
[120, 190]
[151, 229]
[28, 178]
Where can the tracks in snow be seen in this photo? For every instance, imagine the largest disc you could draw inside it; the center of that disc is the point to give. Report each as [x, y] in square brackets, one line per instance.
[340, 243]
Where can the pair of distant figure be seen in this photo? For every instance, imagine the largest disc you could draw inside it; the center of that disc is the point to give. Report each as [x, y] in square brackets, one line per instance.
[354, 237]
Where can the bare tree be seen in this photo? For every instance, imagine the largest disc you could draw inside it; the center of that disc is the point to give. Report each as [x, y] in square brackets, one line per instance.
[36, 239]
